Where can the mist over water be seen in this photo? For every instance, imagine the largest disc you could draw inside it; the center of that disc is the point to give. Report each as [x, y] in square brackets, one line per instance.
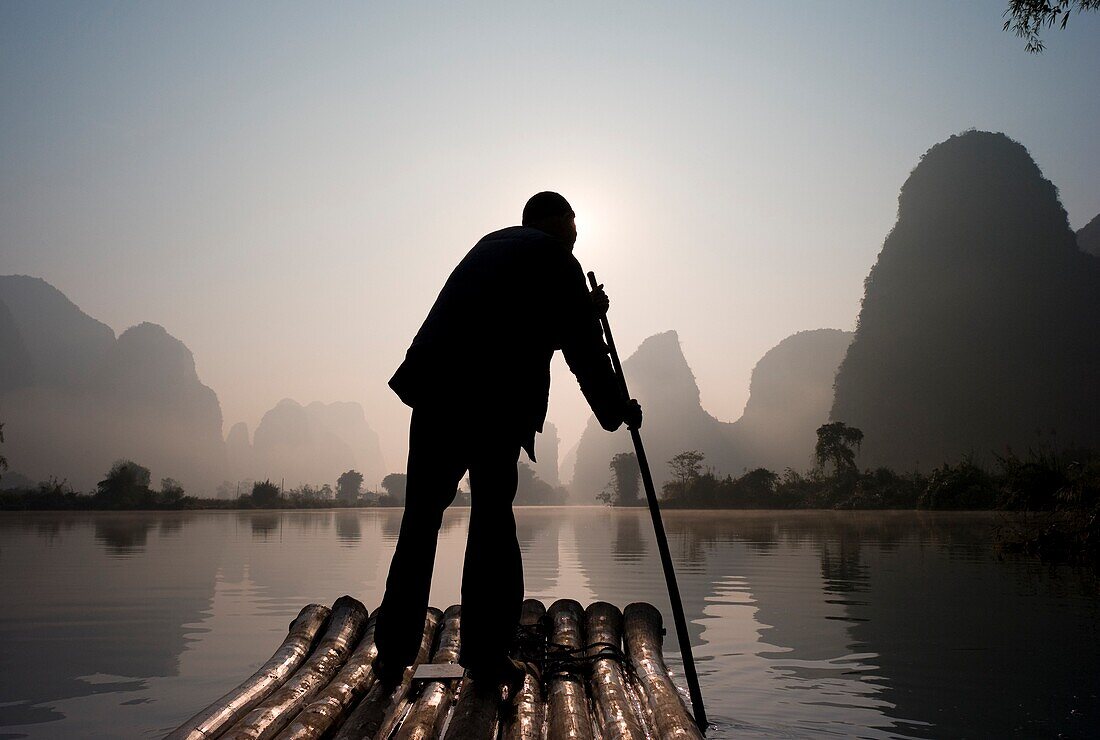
[803, 623]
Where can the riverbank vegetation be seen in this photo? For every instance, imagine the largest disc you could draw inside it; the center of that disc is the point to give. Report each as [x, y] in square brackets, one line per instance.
[128, 486]
[1057, 491]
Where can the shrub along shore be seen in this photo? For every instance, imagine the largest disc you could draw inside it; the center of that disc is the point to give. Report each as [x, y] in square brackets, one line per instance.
[1059, 489]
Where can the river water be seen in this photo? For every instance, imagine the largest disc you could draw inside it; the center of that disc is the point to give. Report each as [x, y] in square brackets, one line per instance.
[804, 624]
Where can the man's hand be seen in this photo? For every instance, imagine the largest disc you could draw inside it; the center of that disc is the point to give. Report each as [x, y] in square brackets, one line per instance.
[632, 414]
[600, 301]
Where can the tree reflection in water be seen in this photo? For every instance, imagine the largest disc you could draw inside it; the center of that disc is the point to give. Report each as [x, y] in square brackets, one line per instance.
[348, 529]
[172, 523]
[628, 545]
[264, 524]
[537, 530]
[123, 535]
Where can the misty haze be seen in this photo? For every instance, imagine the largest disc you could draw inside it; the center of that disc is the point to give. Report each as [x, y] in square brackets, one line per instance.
[297, 327]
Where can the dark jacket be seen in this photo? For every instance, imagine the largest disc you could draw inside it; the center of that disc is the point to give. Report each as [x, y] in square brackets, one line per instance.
[484, 351]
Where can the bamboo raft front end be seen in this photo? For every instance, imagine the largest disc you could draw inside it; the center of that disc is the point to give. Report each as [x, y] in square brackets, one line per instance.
[593, 674]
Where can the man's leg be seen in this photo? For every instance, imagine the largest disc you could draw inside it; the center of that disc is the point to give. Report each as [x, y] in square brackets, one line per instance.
[492, 575]
[434, 470]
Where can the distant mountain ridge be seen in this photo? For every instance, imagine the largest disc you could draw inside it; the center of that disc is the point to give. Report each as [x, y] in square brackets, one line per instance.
[977, 332]
[546, 468]
[790, 396]
[307, 444]
[674, 420]
[60, 340]
[82, 399]
[979, 325]
[16, 368]
[1088, 237]
[74, 399]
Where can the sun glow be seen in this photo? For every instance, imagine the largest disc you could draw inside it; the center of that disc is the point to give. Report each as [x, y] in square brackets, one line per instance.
[597, 219]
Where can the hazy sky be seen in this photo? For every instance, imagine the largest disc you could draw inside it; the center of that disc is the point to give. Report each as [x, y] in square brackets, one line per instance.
[285, 187]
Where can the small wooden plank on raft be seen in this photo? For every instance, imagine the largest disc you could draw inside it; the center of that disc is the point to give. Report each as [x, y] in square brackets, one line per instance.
[439, 672]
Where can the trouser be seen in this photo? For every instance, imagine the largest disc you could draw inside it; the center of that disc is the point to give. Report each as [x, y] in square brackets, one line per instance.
[442, 447]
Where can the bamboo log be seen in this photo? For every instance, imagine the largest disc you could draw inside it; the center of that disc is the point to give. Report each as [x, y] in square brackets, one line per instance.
[475, 712]
[616, 716]
[567, 703]
[330, 706]
[478, 703]
[273, 714]
[642, 632]
[425, 719]
[528, 710]
[383, 706]
[212, 721]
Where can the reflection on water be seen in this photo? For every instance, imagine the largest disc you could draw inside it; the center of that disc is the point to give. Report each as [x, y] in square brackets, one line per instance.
[264, 525]
[347, 527]
[804, 623]
[123, 534]
[629, 545]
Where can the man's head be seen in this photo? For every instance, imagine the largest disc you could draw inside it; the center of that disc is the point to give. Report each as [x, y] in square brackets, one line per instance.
[550, 212]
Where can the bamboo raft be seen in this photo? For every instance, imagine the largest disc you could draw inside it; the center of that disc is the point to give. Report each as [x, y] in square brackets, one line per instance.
[593, 674]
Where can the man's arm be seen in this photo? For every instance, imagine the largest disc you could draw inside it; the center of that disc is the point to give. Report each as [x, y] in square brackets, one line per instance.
[584, 349]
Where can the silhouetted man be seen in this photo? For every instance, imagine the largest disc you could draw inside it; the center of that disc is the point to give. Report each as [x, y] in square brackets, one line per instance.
[477, 377]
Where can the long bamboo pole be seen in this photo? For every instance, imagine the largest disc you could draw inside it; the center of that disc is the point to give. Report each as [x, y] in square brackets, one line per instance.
[682, 635]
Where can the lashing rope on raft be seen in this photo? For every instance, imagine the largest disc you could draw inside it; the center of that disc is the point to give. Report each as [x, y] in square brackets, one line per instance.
[556, 661]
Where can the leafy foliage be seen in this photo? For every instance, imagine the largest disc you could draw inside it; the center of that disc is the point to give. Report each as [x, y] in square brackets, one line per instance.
[834, 444]
[171, 492]
[626, 479]
[686, 469]
[125, 487]
[3, 460]
[53, 495]
[265, 493]
[349, 485]
[394, 486]
[1027, 18]
[307, 496]
[1060, 489]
